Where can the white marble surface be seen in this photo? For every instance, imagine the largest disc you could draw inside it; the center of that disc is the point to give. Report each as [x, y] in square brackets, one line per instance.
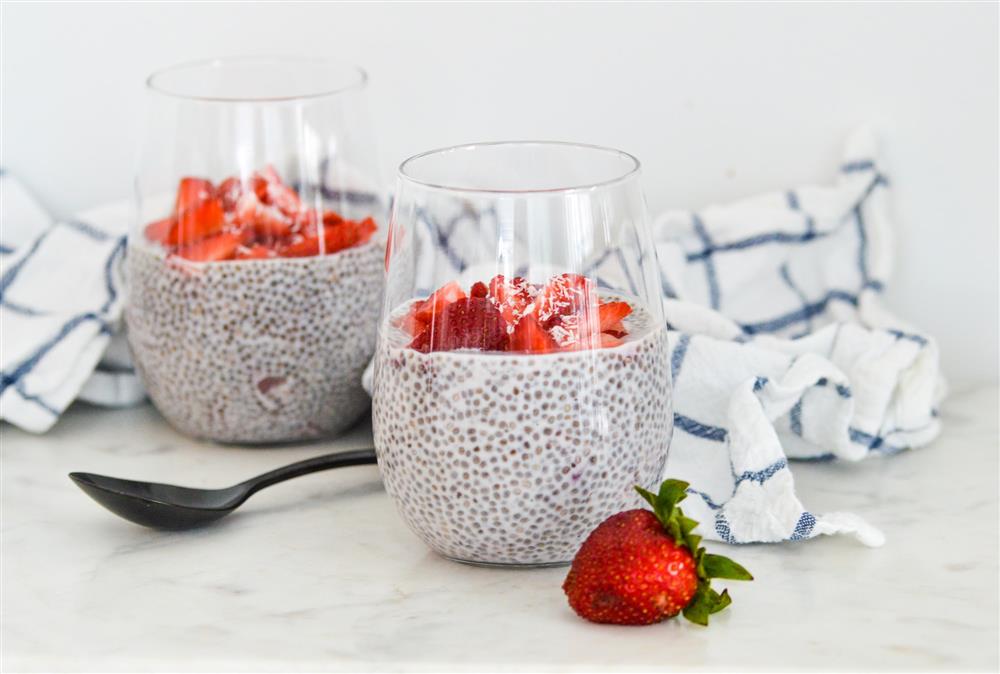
[321, 574]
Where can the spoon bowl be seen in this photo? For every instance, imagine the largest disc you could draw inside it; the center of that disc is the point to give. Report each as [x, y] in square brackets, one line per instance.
[161, 506]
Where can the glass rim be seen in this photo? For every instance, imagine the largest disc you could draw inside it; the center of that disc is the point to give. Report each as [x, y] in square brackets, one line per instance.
[360, 78]
[632, 171]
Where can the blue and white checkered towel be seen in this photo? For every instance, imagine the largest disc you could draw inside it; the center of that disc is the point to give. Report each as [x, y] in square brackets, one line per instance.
[60, 303]
[780, 346]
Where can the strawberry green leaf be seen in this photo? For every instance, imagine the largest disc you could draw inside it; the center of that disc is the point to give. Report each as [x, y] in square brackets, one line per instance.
[649, 496]
[717, 566]
[719, 601]
[700, 607]
[687, 524]
[671, 493]
[692, 541]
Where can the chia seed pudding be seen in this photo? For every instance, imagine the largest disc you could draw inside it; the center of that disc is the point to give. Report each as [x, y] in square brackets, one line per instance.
[513, 458]
[257, 350]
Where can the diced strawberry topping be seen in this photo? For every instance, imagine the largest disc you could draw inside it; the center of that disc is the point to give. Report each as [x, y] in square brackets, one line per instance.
[336, 237]
[255, 252]
[616, 330]
[529, 336]
[366, 229]
[467, 323]
[191, 192]
[513, 298]
[439, 299]
[564, 295]
[272, 223]
[229, 191]
[212, 249]
[259, 186]
[611, 315]
[261, 211]
[159, 231]
[339, 236]
[575, 319]
[609, 341]
[195, 223]
[331, 218]
[277, 193]
[410, 324]
[301, 245]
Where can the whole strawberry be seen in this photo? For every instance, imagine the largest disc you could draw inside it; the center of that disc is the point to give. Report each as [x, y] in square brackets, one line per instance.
[640, 567]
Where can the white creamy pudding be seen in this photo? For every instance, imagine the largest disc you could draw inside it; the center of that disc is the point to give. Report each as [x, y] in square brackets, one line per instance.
[513, 458]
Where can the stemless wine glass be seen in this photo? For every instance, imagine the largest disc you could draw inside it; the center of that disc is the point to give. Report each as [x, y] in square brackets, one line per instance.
[522, 379]
[256, 259]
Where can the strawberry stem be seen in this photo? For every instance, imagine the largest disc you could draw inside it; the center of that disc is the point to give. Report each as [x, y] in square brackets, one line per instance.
[706, 600]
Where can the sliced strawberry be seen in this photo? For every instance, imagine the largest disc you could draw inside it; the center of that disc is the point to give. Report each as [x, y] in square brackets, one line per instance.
[609, 341]
[258, 184]
[306, 219]
[159, 231]
[247, 234]
[277, 193]
[229, 192]
[245, 210]
[611, 313]
[191, 192]
[410, 324]
[530, 337]
[301, 245]
[331, 218]
[365, 229]
[616, 330]
[479, 289]
[195, 223]
[255, 252]
[439, 299]
[340, 236]
[271, 222]
[212, 249]
[336, 237]
[564, 295]
[513, 298]
[468, 323]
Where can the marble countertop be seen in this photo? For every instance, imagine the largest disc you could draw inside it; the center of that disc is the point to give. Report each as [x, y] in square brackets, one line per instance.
[321, 574]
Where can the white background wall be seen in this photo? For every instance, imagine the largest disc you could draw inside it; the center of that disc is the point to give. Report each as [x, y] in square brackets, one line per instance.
[719, 101]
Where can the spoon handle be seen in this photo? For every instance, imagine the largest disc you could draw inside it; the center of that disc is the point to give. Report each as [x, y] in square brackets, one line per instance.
[354, 457]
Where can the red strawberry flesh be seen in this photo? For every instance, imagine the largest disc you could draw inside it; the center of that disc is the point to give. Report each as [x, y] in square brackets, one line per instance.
[467, 323]
[191, 192]
[159, 231]
[629, 571]
[530, 337]
[261, 210]
[212, 249]
[196, 222]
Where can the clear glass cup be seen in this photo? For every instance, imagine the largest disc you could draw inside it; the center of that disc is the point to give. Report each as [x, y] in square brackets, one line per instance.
[522, 379]
[255, 263]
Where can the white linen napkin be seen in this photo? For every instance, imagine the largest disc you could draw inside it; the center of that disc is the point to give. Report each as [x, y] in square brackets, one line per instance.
[782, 350]
[61, 301]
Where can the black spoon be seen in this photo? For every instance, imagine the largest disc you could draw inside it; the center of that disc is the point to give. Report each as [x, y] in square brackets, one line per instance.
[165, 506]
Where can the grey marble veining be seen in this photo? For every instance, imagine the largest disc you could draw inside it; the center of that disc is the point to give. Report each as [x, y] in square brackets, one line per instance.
[321, 574]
